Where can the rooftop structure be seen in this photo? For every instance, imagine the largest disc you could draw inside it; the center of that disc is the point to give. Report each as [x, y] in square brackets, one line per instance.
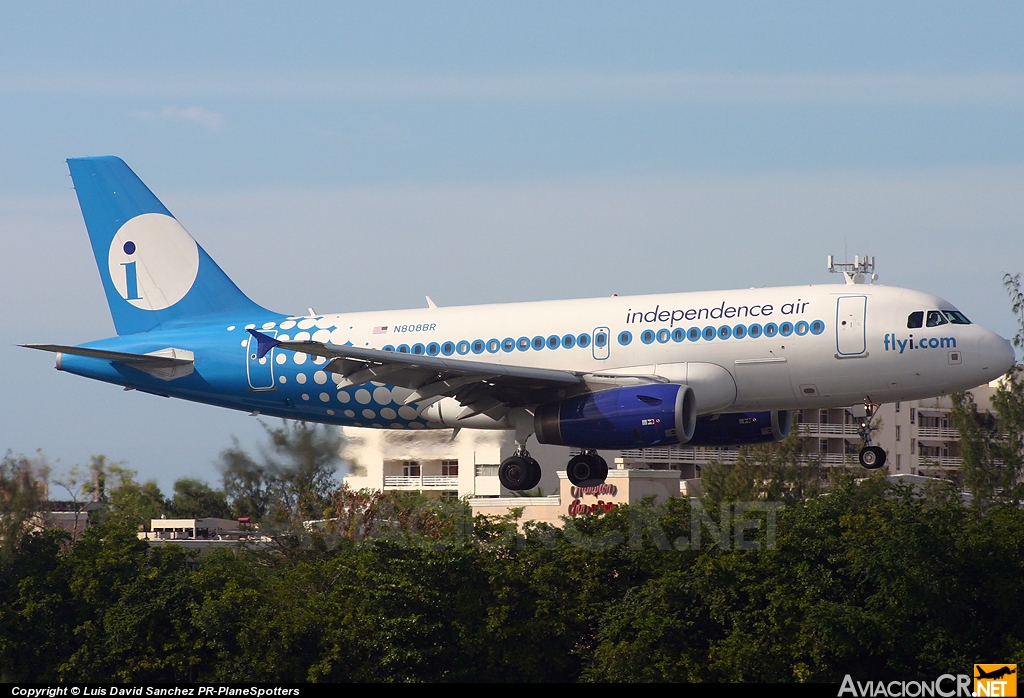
[202, 534]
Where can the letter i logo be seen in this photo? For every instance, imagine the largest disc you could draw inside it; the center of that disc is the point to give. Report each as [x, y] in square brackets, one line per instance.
[131, 277]
[152, 261]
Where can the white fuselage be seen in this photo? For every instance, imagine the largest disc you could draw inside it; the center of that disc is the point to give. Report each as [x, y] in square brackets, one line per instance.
[843, 344]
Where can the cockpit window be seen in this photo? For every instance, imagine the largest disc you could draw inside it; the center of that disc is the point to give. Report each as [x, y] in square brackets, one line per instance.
[956, 317]
[936, 318]
[915, 319]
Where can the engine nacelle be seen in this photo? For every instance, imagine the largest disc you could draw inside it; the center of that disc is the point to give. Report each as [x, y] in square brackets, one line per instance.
[659, 414]
[741, 428]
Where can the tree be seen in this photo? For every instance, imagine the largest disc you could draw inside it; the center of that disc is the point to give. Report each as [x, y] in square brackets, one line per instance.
[774, 472]
[131, 502]
[194, 499]
[22, 488]
[248, 485]
[992, 446]
[294, 478]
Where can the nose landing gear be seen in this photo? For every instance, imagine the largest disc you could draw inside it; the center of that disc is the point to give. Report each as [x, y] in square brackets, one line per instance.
[871, 457]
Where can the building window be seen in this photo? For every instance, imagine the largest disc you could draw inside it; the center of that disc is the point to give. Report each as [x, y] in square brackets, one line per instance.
[897, 407]
[823, 446]
[487, 471]
[898, 461]
[411, 468]
[822, 416]
[913, 445]
[897, 432]
[449, 494]
[913, 414]
[449, 468]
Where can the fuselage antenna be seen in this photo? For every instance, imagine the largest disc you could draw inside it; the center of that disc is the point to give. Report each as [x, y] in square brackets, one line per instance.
[860, 271]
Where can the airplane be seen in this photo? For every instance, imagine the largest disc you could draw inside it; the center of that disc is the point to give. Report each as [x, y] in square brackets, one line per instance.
[702, 368]
[995, 673]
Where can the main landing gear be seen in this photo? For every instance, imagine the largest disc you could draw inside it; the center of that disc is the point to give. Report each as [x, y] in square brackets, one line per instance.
[871, 457]
[519, 471]
[587, 469]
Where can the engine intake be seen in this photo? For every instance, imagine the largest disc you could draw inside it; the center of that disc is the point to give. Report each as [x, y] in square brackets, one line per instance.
[659, 414]
[740, 428]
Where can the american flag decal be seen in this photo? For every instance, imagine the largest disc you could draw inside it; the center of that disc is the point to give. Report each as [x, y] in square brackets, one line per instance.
[383, 329]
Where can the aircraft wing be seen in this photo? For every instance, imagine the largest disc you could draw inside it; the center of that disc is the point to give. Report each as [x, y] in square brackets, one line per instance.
[482, 387]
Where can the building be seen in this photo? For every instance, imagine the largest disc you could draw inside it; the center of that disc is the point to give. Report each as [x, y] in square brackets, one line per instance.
[622, 486]
[202, 535]
[918, 437]
[70, 516]
[432, 462]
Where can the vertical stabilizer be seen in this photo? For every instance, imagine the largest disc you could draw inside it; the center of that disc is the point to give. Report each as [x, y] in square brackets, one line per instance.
[153, 272]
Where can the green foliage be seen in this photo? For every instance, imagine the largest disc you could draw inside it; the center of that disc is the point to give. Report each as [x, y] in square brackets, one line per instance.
[773, 472]
[194, 499]
[294, 478]
[131, 503]
[22, 487]
[992, 445]
[873, 579]
[248, 484]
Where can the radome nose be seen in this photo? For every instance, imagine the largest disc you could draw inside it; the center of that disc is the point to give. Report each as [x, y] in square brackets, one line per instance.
[996, 355]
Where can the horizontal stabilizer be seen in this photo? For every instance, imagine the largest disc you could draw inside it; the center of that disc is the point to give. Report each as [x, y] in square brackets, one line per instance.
[165, 364]
[172, 357]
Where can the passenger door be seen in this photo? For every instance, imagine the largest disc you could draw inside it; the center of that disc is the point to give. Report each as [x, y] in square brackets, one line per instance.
[851, 331]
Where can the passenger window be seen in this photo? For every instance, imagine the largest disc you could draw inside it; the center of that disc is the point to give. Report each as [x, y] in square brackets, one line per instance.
[915, 319]
[956, 317]
[936, 318]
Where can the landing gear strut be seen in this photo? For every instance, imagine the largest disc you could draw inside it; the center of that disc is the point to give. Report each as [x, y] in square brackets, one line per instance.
[871, 457]
[587, 469]
[519, 471]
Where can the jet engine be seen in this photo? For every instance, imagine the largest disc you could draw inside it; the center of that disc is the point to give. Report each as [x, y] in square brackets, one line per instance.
[740, 428]
[658, 414]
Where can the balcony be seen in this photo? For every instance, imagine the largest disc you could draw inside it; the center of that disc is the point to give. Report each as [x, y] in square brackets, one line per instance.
[426, 482]
[812, 429]
[942, 433]
[943, 462]
[677, 455]
[705, 455]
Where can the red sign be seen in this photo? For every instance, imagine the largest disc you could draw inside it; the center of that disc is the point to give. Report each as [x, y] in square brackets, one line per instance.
[603, 488]
[578, 509]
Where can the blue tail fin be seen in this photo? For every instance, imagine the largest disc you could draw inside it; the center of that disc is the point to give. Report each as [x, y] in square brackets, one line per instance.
[153, 272]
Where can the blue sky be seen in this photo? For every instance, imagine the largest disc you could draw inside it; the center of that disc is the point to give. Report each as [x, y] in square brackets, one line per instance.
[360, 156]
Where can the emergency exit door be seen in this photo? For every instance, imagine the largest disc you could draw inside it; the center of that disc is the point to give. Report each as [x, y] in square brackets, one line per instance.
[260, 371]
